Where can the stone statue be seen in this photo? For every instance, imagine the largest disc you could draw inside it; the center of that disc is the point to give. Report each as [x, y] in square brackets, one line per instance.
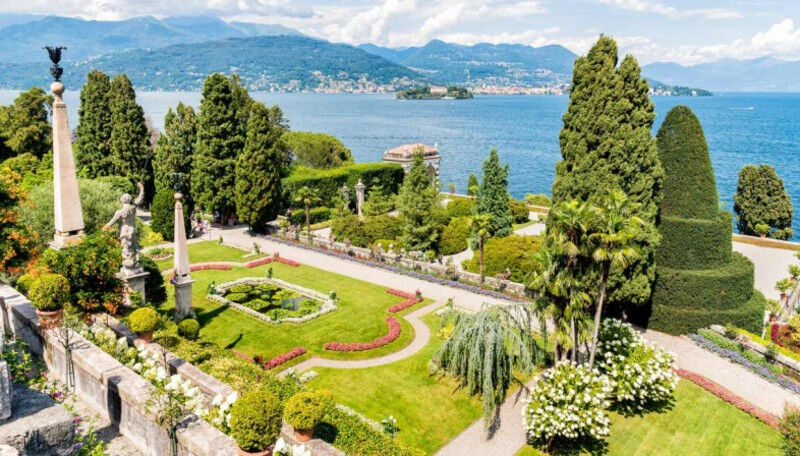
[55, 57]
[127, 232]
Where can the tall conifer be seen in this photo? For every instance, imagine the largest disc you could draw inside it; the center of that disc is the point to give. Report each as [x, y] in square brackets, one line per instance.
[93, 142]
[416, 203]
[493, 195]
[129, 136]
[175, 150]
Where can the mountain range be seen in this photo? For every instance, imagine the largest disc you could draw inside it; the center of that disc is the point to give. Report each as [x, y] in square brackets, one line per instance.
[176, 53]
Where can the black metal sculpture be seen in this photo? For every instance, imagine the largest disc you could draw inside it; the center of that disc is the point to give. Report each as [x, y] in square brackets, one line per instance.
[55, 57]
[176, 180]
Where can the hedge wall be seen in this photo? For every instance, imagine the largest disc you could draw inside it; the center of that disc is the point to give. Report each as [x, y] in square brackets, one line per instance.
[364, 233]
[689, 243]
[317, 214]
[329, 182]
[684, 320]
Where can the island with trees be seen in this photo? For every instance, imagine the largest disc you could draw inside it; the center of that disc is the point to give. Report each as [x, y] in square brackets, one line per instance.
[435, 93]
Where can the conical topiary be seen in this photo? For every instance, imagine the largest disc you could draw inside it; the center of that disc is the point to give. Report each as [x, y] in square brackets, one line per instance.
[699, 280]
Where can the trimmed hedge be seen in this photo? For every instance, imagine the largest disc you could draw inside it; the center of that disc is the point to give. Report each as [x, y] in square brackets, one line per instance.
[317, 215]
[364, 233]
[256, 420]
[328, 182]
[454, 236]
[721, 288]
[685, 320]
[514, 252]
[689, 243]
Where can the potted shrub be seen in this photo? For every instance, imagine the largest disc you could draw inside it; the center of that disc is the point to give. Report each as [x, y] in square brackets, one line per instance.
[783, 286]
[794, 271]
[304, 411]
[49, 294]
[762, 229]
[143, 321]
[255, 422]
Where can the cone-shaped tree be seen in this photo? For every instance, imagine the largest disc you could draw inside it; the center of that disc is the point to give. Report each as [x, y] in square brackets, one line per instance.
[218, 144]
[493, 196]
[174, 152]
[700, 281]
[129, 136]
[260, 167]
[416, 202]
[93, 142]
[473, 185]
[761, 198]
[606, 144]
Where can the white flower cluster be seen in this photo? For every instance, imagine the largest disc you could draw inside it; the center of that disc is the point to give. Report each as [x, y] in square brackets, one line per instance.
[284, 449]
[639, 373]
[568, 401]
[220, 413]
[107, 340]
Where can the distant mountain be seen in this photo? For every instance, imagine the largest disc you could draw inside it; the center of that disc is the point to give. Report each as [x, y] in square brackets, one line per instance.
[764, 74]
[484, 64]
[21, 40]
[287, 63]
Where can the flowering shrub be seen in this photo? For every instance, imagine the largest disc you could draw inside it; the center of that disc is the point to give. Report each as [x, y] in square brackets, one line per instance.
[639, 373]
[568, 401]
[206, 267]
[280, 359]
[267, 260]
[410, 300]
[284, 449]
[400, 293]
[394, 333]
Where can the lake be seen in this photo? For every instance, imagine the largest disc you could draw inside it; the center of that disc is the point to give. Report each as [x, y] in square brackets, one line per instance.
[741, 128]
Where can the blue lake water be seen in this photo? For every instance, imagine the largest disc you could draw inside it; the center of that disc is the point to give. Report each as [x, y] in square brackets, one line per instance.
[740, 129]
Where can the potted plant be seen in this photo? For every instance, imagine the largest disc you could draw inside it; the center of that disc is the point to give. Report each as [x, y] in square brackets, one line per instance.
[255, 423]
[762, 229]
[794, 271]
[143, 321]
[304, 411]
[783, 286]
[49, 294]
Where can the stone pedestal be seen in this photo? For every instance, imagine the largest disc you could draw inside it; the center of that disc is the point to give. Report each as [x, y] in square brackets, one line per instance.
[134, 283]
[5, 392]
[183, 297]
[67, 203]
[360, 187]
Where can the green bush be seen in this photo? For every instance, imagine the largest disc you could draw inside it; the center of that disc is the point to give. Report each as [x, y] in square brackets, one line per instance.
[237, 297]
[154, 288]
[189, 328]
[49, 292]
[519, 211]
[25, 282]
[241, 288]
[685, 320]
[364, 233]
[538, 199]
[396, 244]
[354, 437]
[304, 410]
[514, 252]
[143, 320]
[790, 429]
[688, 243]
[162, 215]
[454, 237]
[328, 182]
[317, 214]
[256, 420]
[460, 207]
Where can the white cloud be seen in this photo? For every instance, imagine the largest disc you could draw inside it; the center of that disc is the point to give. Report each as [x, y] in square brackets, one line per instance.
[649, 6]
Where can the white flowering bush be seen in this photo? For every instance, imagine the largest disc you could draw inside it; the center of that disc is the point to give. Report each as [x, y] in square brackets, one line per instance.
[284, 449]
[568, 401]
[639, 373]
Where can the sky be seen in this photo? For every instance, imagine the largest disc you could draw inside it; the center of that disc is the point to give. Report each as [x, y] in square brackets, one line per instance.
[683, 31]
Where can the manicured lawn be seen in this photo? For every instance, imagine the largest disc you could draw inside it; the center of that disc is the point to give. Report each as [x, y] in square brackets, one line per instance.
[430, 411]
[203, 252]
[360, 317]
[698, 424]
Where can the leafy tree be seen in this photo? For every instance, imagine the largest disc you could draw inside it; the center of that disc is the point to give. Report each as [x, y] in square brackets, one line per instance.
[174, 152]
[482, 230]
[260, 168]
[219, 140]
[32, 170]
[93, 136]
[416, 203]
[317, 150]
[473, 185]
[307, 197]
[493, 195]
[17, 244]
[24, 125]
[761, 198]
[378, 202]
[129, 136]
[606, 143]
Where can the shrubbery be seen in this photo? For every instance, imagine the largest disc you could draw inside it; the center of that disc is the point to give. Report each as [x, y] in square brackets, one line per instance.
[256, 420]
[49, 292]
[328, 182]
[316, 214]
[154, 289]
[515, 253]
[189, 328]
[143, 320]
[519, 211]
[364, 233]
[162, 215]
[790, 428]
[538, 199]
[454, 236]
[460, 207]
[304, 410]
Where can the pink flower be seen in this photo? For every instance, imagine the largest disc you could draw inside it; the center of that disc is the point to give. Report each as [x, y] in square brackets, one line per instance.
[394, 333]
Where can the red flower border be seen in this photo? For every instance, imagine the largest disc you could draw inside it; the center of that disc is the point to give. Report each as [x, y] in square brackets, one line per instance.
[274, 362]
[394, 333]
[411, 299]
[267, 260]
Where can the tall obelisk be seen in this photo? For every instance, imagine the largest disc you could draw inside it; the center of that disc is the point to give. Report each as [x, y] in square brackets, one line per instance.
[181, 279]
[67, 201]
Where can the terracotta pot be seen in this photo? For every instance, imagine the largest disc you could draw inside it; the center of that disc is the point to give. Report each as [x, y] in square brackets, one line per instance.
[762, 236]
[49, 319]
[793, 279]
[146, 336]
[267, 452]
[784, 297]
[303, 435]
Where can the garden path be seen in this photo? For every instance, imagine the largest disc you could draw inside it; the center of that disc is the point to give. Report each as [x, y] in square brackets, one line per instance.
[771, 265]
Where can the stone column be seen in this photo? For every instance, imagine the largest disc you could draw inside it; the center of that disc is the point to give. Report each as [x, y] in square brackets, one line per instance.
[346, 195]
[182, 280]
[5, 385]
[360, 187]
[67, 202]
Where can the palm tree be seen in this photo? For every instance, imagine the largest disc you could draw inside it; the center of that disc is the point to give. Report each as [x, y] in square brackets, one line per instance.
[613, 244]
[307, 197]
[482, 228]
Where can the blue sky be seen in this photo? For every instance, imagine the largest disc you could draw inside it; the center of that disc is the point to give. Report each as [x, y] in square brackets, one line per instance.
[684, 31]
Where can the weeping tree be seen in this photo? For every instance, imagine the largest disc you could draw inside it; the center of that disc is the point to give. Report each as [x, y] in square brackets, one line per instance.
[485, 349]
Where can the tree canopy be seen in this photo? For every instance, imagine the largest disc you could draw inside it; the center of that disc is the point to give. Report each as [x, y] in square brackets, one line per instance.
[93, 135]
[317, 150]
[24, 125]
[493, 198]
[175, 150]
[129, 135]
[762, 198]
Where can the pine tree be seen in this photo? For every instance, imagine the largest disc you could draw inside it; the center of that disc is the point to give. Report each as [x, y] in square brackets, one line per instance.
[218, 144]
[129, 136]
[473, 185]
[175, 150]
[416, 203]
[606, 144]
[260, 167]
[762, 198]
[93, 143]
[24, 125]
[493, 196]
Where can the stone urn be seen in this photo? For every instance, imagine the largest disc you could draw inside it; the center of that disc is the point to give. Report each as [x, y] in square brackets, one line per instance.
[303, 435]
[49, 318]
[267, 452]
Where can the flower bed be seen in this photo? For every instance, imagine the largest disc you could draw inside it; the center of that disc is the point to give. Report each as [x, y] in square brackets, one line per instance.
[205, 267]
[267, 260]
[394, 333]
[727, 396]
[280, 359]
[410, 300]
[738, 358]
[417, 275]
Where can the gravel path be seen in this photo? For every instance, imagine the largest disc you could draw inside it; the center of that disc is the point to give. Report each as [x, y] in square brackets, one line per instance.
[771, 265]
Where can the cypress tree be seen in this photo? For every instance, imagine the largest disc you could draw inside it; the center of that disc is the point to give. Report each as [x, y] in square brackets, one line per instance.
[473, 185]
[416, 203]
[762, 198]
[175, 150]
[493, 196]
[218, 144]
[129, 136]
[260, 167]
[25, 126]
[93, 142]
[606, 144]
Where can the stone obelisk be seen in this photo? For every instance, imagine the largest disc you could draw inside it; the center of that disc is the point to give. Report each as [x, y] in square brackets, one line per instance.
[182, 280]
[67, 201]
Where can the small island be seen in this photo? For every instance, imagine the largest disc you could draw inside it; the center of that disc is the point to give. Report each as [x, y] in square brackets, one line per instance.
[435, 93]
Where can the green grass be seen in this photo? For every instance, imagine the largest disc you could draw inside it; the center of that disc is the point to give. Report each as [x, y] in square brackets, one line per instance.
[430, 411]
[207, 251]
[359, 318]
[699, 423]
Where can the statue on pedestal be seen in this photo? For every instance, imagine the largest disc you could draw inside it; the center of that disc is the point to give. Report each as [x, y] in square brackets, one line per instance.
[127, 232]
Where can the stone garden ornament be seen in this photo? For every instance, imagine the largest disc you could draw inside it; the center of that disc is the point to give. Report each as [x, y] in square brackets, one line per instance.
[131, 271]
